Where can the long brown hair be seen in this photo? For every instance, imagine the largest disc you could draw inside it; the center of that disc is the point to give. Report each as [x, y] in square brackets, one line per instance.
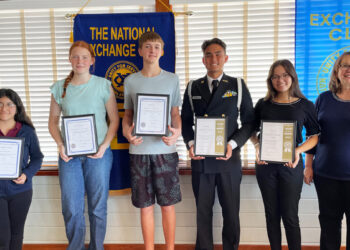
[294, 90]
[334, 82]
[21, 115]
[69, 78]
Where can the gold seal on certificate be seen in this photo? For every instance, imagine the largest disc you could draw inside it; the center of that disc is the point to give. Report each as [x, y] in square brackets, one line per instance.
[80, 137]
[277, 141]
[11, 153]
[152, 114]
[210, 136]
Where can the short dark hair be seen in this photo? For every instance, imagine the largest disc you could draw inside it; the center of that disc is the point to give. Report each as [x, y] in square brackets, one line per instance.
[150, 36]
[21, 115]
[294, 90]
[215, 40]
[335, 85]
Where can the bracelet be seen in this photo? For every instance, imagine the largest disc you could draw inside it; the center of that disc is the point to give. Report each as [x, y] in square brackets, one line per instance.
[59, 144]
[256, 144]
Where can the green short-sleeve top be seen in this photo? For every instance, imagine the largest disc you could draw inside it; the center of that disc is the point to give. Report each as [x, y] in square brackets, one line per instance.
[87, 98]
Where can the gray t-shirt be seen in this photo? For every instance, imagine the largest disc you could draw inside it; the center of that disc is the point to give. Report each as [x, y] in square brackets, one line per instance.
[165, 83]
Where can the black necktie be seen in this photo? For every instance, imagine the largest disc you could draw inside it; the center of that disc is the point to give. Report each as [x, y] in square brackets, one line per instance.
[215, 84]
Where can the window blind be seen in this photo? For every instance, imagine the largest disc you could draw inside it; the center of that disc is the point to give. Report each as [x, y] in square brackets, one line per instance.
[34, 46]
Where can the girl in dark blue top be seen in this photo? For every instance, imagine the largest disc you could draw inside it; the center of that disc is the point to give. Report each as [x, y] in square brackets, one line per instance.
[331, 165]
[16, 195]
[281, 183]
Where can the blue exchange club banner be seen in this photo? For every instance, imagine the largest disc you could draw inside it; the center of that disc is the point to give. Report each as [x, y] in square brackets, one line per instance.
[114, 39]
[322, 34]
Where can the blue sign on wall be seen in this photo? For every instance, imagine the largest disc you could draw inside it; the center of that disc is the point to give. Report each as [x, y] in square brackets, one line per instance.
[322, 34]
[114, 39]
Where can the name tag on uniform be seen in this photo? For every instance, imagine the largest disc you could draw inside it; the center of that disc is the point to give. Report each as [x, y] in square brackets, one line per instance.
[196, 97]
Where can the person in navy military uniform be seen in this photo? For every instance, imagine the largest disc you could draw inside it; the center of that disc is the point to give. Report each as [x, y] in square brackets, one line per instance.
[216, 94]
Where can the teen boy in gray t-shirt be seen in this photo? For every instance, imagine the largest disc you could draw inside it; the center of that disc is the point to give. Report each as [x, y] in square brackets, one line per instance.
[153, 159]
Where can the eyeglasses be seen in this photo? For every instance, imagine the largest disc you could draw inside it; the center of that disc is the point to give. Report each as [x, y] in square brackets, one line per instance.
[9, 105]
[344, 66]
[277, 77]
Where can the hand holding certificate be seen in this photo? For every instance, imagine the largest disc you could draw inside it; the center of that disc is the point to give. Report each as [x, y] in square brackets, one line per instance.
[277, 141]
[80, 137]
[210, 136]
[11, 153]
[152, 114]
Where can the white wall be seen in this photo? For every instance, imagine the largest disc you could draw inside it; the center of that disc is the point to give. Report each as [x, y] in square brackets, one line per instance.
[45, 223]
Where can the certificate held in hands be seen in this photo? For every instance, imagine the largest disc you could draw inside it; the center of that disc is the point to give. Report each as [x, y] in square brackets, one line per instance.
[210, 136]
[80, 137]
[277, 141]
[152, 114]
[11, 153]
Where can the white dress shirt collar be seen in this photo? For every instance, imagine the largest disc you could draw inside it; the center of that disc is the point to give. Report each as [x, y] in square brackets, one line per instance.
[210, 80]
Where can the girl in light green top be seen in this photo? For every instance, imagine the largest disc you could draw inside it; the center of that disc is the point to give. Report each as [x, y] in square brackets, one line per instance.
[82, 93]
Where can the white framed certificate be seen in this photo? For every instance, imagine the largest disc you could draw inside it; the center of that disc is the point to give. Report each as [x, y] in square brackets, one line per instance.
[152, 114]
[277, 141]
[80, 137]
[210, 136]
[11, 154]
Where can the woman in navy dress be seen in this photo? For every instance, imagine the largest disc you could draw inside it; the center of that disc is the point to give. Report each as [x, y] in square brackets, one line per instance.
[329, 164]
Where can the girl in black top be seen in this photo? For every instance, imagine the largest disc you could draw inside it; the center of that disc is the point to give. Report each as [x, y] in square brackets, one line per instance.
[281, 184]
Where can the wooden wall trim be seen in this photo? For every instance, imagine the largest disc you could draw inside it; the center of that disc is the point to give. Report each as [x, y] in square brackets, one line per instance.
[162, 6]
[185, 169]
[182, 171]
[47, 173]
[157, 247]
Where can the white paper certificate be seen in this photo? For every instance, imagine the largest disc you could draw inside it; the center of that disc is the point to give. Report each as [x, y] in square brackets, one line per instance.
[152, 114]
[80, 135]
[277, 141]
[210, 136]
[11, 150]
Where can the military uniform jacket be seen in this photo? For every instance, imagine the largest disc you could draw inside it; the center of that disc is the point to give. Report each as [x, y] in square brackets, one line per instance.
[224, 101]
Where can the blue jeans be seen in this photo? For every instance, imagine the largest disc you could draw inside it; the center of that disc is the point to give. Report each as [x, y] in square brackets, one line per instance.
[80, 175]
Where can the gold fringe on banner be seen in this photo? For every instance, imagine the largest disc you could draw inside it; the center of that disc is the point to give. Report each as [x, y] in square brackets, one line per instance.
[71, 37]
[187, 13]
[71, 16]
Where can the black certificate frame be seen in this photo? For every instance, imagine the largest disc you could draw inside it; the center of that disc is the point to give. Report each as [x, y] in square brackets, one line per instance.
[137, 132]
[66, 142]
[19, 165]
[224, 136]
[293, 123]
